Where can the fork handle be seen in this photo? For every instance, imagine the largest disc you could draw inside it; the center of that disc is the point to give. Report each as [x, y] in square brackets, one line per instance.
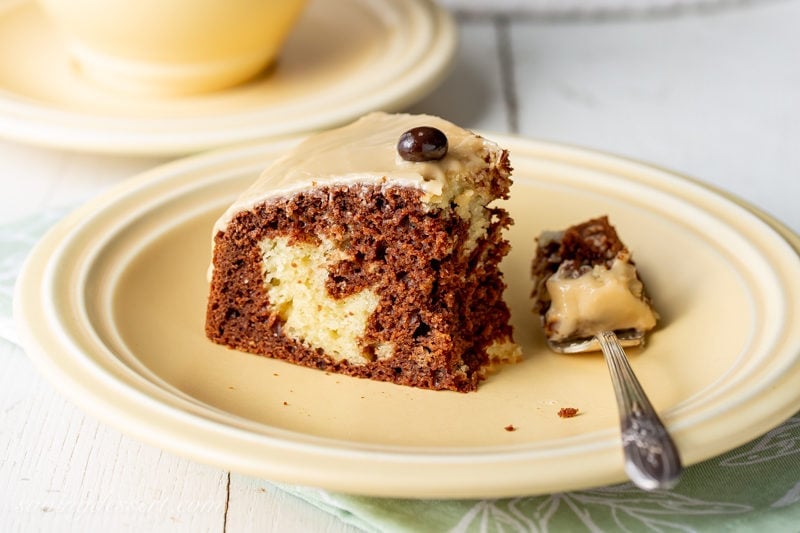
[651, 457]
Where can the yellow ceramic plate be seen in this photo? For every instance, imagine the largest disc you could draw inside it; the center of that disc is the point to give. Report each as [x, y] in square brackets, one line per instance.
[111, 306]
[343, 59]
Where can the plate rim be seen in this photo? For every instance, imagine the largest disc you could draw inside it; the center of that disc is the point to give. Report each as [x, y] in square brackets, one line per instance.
[350, 458]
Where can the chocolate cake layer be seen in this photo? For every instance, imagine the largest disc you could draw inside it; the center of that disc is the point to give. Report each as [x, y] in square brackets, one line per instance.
[438, 301]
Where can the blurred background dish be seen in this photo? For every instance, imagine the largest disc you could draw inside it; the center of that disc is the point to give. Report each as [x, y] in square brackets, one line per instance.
[180, 47]
[342, 60]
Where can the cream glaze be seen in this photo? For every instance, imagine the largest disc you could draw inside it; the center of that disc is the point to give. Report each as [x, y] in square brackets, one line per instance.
[366, 152]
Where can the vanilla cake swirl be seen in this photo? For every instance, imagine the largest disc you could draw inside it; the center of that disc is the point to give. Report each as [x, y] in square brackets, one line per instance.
[344, 256]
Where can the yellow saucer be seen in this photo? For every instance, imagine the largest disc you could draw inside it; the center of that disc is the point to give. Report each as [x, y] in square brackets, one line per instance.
[343, 59]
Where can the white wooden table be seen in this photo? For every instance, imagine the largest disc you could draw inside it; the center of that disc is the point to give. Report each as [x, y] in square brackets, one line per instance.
[713, 93]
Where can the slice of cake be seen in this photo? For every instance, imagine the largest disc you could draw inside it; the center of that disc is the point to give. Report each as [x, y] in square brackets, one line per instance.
[371, 250]
[585, 282]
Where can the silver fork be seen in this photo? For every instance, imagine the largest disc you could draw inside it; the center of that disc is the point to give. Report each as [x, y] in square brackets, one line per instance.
[651, 457]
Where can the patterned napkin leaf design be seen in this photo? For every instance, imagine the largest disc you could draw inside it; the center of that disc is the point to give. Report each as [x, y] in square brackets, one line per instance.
[617, 508]
[780, 442]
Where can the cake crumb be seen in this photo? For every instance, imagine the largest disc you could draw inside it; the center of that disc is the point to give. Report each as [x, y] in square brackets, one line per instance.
[568, 412]
[285, 403]
[510, 427]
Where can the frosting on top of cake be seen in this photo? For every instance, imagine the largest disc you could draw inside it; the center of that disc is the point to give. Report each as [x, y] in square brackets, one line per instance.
[365, 151]
[602, 298]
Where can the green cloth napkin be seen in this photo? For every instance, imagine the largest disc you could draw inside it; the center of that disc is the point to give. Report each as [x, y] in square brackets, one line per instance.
[754, 487]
